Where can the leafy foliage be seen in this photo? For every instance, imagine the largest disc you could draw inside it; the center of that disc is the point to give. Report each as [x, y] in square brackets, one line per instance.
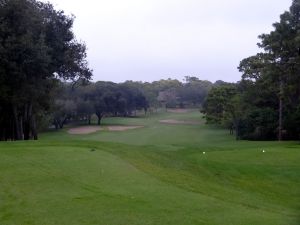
[269, 93]
[37, 47]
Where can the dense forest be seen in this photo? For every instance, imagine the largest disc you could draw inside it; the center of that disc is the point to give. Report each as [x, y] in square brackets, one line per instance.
[265, 104]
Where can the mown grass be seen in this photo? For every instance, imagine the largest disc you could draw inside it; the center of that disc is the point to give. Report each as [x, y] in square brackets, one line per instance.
[154, 175]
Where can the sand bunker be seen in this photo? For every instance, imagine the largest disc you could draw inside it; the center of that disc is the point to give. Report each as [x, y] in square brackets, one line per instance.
[93, 129]
[84, 130]
[178, 110]
[122, 128]
[182, 122]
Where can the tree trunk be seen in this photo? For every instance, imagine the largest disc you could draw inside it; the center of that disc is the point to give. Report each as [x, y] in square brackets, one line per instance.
[237, 130]
[231, 129]
[34, 128]
[27, 121]
[99, 116]
[21, 127]
[280, 112]
[280, 121]
[56, 124]
[62, 122]
[99, 120]
[89, 119]
[18, 132]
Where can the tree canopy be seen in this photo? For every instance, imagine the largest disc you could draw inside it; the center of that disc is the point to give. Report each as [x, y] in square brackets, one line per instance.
[37, 48]
[269, 92]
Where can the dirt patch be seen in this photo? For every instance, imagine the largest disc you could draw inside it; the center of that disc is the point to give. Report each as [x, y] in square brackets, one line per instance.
[122, 128]
[84, 130]
[93, 129]
[178, 110]
[180, 122]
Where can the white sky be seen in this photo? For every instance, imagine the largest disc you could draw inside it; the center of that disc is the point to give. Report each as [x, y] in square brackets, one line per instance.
[146, 40]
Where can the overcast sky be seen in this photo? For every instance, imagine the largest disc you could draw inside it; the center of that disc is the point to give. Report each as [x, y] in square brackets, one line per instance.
[147, 40]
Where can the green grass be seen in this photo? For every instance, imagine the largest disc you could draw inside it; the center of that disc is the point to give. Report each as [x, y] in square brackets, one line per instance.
[154, 175]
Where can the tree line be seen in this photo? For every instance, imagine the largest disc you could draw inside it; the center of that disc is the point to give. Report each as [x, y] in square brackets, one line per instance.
[265, 104]
[172, 93]
[80, 102]
[100, 99]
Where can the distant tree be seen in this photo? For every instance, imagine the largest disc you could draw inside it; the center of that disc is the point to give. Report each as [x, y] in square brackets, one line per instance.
[103, 99]
[63, 105]
[135, 98]
[171, 93]
[65, 110]
[83, 95]
[219, 103]
[194, 92]
[168, 98]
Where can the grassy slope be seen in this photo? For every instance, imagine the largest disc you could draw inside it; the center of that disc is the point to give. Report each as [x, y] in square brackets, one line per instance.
[154, 175]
